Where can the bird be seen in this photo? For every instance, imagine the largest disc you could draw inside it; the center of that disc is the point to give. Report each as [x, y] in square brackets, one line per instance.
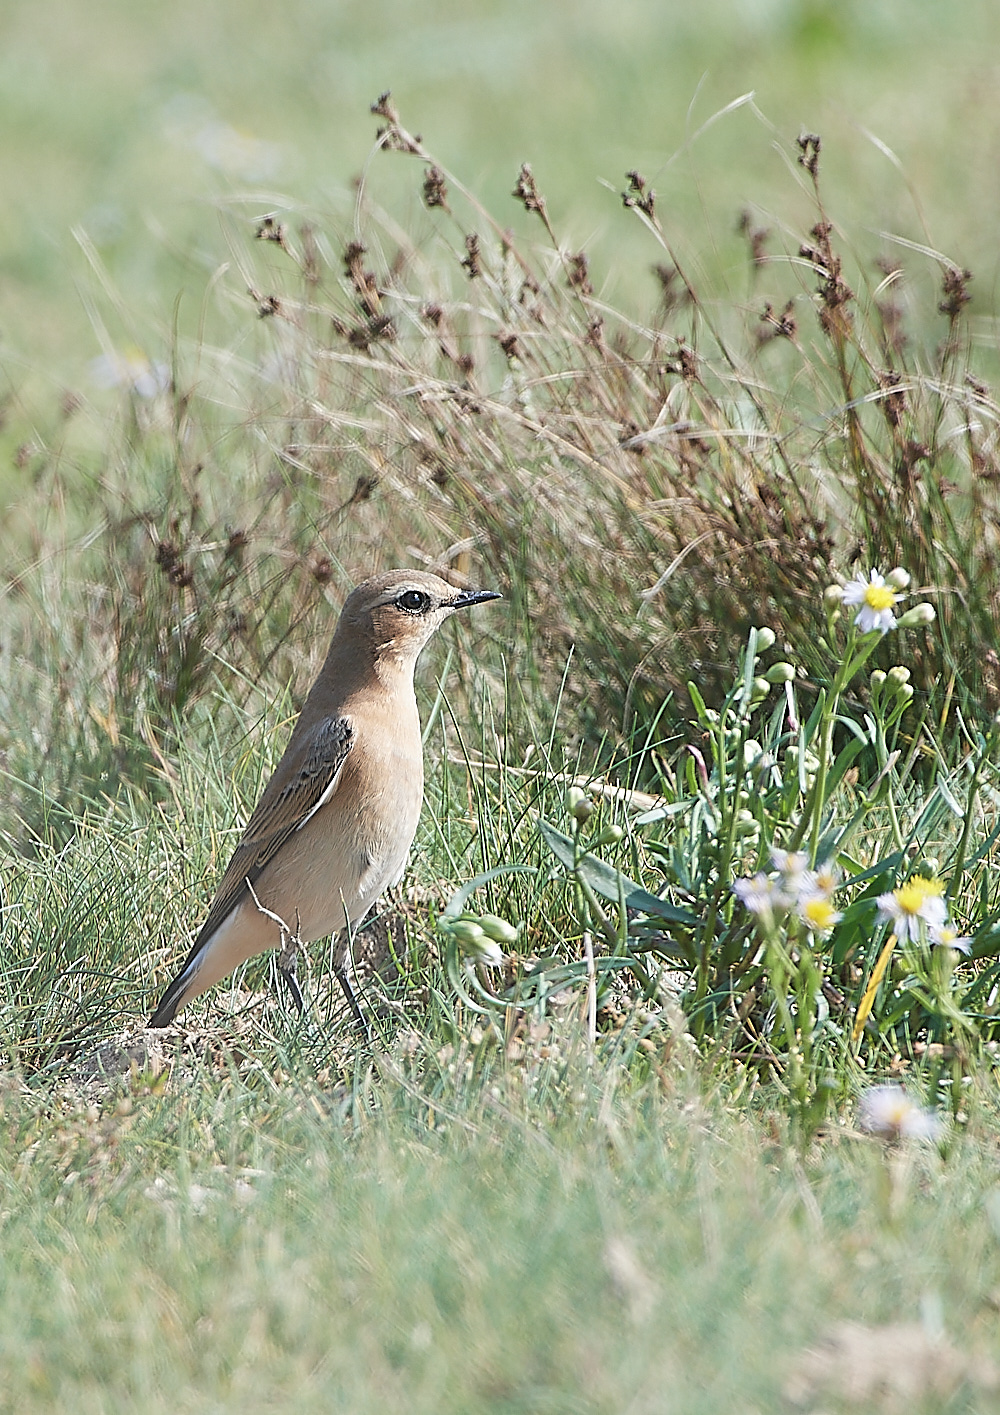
[334, 825]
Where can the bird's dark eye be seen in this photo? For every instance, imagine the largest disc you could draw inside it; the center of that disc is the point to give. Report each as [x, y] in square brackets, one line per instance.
[414, 602]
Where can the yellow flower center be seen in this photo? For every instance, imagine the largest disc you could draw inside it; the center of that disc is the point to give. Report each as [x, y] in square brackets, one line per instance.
[897, 1113]
[826, 880]
[879, 597]
[820, 913]
[911, 895]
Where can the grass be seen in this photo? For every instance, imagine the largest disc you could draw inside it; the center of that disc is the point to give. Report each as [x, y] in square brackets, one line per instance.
[258, 1240]
[630, 1160]
[262, 1239]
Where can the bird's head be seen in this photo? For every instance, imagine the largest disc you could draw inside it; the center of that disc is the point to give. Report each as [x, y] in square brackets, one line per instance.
[397, 613]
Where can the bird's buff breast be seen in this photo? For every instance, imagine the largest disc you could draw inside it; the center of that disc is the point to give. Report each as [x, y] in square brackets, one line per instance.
[354, 848]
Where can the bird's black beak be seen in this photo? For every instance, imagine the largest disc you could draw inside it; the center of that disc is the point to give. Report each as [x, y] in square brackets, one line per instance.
[470, 597]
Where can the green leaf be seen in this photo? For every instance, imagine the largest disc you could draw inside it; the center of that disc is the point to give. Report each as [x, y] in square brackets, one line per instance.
[808, 732]
[461, 897]
[609, 882]
[659, 813]
[698, 703]
[935, 808]
[649, 938]
[949, 798]
[886, 867]
[854, 729]
[986, 945]
[985, 848]
[844, 760]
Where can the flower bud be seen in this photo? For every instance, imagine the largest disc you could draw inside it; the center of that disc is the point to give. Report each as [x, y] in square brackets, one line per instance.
[780, 673]
[761, 688]
[918, 617]
[877, 679]
[581, 807]
[765, 639]
[897, 677]
[810, 760]
[488, 952]
[467, 933]
[761, 763]
[475, 943]
[610, 835]
[498, 929]
[832, 596]
[751, 751]
[906, 692]
[899, 578]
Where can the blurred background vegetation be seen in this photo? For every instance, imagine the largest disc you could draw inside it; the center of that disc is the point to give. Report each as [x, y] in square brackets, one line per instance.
[182, 481]
[134, 123]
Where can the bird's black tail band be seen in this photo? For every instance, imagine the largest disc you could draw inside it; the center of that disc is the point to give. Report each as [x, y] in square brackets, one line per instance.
[170, 1002]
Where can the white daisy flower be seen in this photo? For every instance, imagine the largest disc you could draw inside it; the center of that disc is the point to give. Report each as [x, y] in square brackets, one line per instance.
[818, 914]
[130, 369]
[944, 936]
[826, 879]
[918, 901]
[797, 879]
[876, 599]
[889, 1112]
[759, 894]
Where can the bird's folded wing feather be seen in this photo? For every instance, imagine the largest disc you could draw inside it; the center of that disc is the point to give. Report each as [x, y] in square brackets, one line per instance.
[291, 798]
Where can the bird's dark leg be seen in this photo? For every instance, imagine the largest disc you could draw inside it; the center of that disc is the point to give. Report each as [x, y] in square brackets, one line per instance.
[288, 964]
[343, 973]
[287, 975]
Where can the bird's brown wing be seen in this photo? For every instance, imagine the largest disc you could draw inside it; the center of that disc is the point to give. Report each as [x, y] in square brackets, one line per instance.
[288, 802]
[306, 779]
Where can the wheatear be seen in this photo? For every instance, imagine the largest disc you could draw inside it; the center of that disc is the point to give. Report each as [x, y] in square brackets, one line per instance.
[334, 826]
